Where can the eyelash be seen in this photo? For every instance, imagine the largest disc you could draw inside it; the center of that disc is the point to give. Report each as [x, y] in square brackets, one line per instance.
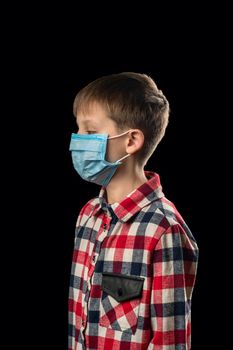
[87, 131]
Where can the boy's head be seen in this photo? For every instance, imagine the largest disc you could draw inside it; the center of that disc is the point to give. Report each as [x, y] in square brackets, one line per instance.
[131, 101]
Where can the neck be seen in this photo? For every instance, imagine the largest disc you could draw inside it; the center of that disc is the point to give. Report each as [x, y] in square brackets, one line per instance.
[126, 179]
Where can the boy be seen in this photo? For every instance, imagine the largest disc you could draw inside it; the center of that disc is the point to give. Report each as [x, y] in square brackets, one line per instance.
[134, 261]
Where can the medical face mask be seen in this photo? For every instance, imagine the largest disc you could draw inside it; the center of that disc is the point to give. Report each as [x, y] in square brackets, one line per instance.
[88, 156]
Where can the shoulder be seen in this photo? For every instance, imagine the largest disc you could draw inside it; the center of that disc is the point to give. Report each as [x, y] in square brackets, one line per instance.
[170, 212]
[162, 210]
[165, 218]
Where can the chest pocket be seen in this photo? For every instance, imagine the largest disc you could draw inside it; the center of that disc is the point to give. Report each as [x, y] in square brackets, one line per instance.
[120, 301]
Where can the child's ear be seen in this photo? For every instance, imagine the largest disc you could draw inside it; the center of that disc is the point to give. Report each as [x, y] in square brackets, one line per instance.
[134, 141]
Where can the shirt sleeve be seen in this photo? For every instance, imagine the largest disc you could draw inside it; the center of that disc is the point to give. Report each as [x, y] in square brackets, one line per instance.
[174, 272]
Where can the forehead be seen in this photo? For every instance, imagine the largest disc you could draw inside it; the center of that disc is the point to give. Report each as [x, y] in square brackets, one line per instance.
[94, 114]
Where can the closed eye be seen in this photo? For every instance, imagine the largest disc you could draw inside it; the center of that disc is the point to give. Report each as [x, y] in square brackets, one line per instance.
[80, 131]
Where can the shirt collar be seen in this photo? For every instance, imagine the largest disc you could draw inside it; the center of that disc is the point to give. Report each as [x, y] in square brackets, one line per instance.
[142, 196]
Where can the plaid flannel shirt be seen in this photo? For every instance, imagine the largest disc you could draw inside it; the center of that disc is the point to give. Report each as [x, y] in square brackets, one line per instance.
[133, 273]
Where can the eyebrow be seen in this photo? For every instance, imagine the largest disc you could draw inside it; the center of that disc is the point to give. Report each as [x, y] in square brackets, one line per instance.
[87, 121]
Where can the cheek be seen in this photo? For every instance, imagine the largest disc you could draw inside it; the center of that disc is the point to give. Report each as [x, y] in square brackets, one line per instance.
[115, 151]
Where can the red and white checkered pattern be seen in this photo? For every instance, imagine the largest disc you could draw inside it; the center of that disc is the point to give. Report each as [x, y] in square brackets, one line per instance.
[143, 236]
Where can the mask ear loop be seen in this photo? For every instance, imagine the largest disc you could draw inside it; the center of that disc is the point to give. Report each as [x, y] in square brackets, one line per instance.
[127, 155]
[113, 137]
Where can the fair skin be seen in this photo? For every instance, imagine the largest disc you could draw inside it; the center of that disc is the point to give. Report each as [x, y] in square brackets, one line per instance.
[129, 174]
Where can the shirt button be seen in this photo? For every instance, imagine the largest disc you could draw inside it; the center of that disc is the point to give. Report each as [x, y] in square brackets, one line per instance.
[105, 226]
[120, 292]
[93, 258]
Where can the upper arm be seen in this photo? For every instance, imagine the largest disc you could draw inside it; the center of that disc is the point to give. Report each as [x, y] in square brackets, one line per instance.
[174, 271]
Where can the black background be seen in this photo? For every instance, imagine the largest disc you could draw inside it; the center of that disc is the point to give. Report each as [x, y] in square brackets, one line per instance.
[51, 56]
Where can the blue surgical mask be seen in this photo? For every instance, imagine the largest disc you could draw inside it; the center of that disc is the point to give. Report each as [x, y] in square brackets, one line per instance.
[88, 156]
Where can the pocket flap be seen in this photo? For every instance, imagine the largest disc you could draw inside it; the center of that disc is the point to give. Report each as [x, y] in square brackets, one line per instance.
[122, 287]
